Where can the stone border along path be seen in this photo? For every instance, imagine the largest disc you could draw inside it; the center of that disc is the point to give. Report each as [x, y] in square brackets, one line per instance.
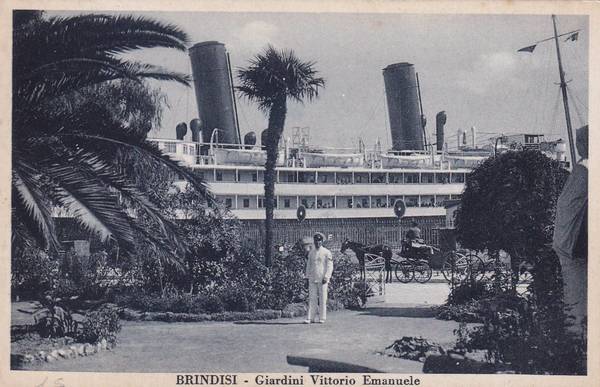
[259, 346]
[21, 361]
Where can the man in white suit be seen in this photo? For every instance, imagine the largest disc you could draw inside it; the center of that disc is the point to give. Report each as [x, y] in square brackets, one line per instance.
[319, 267]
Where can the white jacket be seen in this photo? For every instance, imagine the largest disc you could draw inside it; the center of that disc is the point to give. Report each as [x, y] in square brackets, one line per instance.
[319, 265]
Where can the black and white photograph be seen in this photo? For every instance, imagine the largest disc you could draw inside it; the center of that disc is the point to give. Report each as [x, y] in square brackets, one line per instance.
[307, 197]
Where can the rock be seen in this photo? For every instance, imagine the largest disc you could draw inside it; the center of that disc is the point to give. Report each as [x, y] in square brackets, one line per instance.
[28, 358]
[98, 347]
[63, 353]
[104, 344]
[54, 354]
[42, 355]
[81, 350]
[49, 358]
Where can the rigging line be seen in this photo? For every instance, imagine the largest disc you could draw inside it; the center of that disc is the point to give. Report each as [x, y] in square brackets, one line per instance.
[572, 91]
[541, 108]
[553, 119]
[187, 103]
[581, 122]
[373, 111]
[241, 110]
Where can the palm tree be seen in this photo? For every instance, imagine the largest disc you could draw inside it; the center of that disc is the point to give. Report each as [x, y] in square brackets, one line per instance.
[270, 80]
[63, 152]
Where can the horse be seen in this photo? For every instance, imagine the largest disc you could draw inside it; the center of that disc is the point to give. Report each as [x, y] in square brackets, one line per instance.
[360, 250]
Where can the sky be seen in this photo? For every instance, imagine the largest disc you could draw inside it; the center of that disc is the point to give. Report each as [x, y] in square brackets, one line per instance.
[468, 66]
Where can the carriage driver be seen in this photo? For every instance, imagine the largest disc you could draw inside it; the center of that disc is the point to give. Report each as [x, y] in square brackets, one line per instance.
[413, 235]
[319, 267]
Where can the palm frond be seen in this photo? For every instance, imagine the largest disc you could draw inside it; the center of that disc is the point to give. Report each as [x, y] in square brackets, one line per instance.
[94, 36]
[91, 204]
[274, 74]
[31, 205]
[128, 193]
[96, 143]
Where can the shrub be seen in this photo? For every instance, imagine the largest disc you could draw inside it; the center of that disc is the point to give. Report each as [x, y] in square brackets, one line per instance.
[211, 303]
[53, 320]
[342, 287]
[33, 272]
[99, 324]
[235, 300]
[287, 283]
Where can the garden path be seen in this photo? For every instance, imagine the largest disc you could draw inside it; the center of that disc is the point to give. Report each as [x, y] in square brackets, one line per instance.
[263, 345]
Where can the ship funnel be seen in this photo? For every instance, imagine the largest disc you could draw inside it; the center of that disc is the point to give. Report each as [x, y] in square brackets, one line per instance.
[214, 92]
[473, 137]
[196, 127]
[403, 106]
[250, 140]
[180, 130]
[440, 121]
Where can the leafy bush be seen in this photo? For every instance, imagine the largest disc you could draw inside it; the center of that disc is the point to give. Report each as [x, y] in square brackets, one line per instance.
[99, 324]
[53, 320]
[211, 303]
[33, 272]
[515, 334]
[235, 300]
[287, 283]
[342, 286]
[509, 204]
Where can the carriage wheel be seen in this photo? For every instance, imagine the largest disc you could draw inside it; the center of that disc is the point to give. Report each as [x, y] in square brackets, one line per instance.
[422, 271]
[404, 272]
[455, 267]
[477, 269]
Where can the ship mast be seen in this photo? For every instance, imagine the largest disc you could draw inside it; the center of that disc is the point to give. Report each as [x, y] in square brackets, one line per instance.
[563, 87]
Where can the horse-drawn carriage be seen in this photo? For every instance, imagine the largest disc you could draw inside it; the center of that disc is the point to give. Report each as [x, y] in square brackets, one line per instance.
[406, 265]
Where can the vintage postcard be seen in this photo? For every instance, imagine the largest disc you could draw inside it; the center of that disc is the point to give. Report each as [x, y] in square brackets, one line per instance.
[301, 193]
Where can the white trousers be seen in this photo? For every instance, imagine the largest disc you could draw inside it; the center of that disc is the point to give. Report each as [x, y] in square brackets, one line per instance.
[574, 273]
[317, 301]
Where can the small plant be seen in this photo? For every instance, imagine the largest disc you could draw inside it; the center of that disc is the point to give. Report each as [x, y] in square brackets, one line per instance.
[53, 320]
[99, 324]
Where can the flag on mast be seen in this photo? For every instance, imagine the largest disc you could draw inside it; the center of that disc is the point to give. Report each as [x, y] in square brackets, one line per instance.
[528, 48]
[573, 37]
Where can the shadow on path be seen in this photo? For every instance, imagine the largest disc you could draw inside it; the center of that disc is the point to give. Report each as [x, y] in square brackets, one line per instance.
[393, 311]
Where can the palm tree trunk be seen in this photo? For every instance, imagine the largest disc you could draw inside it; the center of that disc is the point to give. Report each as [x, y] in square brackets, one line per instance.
[276, 123]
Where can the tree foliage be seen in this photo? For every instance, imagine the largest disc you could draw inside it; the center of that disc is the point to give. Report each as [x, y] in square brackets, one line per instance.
[509, 204]
[271, 79]
[79, 107]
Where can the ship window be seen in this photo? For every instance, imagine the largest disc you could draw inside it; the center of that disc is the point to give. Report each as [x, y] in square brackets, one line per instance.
[344, 178]
[427, 178]
[261, 202]
[365, 203]
[458, 177]
[228, 202]
[170, 147]
[427, 201]
[442, 178]
[200, 175]
[395, 178]
[219, 176]
[349, 203]
[246, 203]
[440, 199]
[286, 203]
[411, 201]
[377, 178]
[361, 178]
[411, 178]
[254, 176]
